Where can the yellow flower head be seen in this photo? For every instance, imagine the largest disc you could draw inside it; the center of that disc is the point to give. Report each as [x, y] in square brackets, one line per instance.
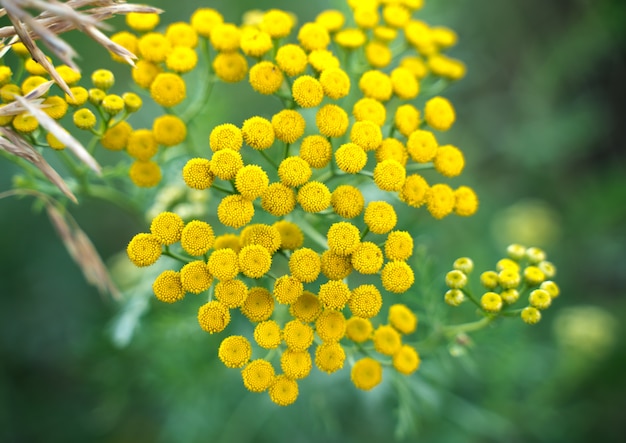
[347, 201]
[181, 59]
[392, 149]
[142, 21]
[181, 34]
[334, 294]
[547, 268]
[231, 293]
[295, 364]
[531, 315]
[439, 113]
[329, 357]
[396, 15]
[331, 19]
[402, 319]
[116, 137]
[509, 278]
[540, 299]
[225, 163]
[454, 297]
[80, 96]
[197, 238]
[235, 351]
[126, 40]
[213, 317]
[291, 59]
[203, 20]
[259, 234]
[406, 360]
[265, 77]
[489, 279]
[397, 277]
[313, 36]
[366, 134]
[8, 92]
[307, 91]
[20, 49]
[235, 211]
[230, 67]
[385, 34]
[407, 120]
[322, 59]
[227, 240]
[365, 301]
[258, 305]
[422, 146]
[258, 375]
[551, 288]
[288, 125]
[418, 34]
[314, 197]
[167, 227]
[277, 23]
[464, 264]
[168, 89]
[335, 266]
[96, 96]
[298, 336]
[376, 84]
[350, 158]
[154, 47]
[258, 132]
[195, 277]
[367, 258]
[251, 181]
[32, 82]
[54, 142]
[167, 287]
[332, 121]
[307, 308]
[284, 390]
[254, 261]
[343, 238]
[316, 151]
[387, 340]
[278, 199]
[305, 265]
[358, 329]
[414, 191]
[389, 175]
[378, 54]
[55, 107]
[267, 334]
[443, 37]
[404, 83]
[141, 144]
[144, 73]
[255, 43]
[466, 201]
[84, 119]
[535, 255]
[144, 250]
[380, 217]
[449, 161]
[287, 289]
[440, 200]
[197, 173]
[169, 130]
[399, 245]
[225, 37]
[509, 296]
[331, 325]
[456, 279]
[291, 237]
[369, 109]
[491, 302]
[366, 373]
[446, 67]
[132, 102]
[102, 79]
[350, 38]
[145, 174]
[335, 82]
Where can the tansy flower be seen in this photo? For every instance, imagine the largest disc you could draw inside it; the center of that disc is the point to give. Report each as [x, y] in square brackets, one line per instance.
[284, 391]
[464, 264]
[291, 236]
[396, 15]
[265, 77]
[230, 67]
[343, 238]
[167, 227]
[84, 119]
[225, 37]
[258, 375]
[307, 91]
[540, 299]
[181, 34]
[231, 293]
[350, 158]
[195, 277]
[34, 68]
[203, 20]
[96, 96]
[509, 296]
[8, 92]
[397, 277]
[167, 287]
[366, 373]
[225, 136]
[267, 334]
[115, 138]
[144, 249]
[144, 73]
[449, 160]
[168, 89]
[447, 67]
[454, 297]
[295, 364]
[55, 107]
[288, 125]
[350, 38]
[235, 351]
[225, 163]
[331, 120]
[235, 211]
[535, 255]
[399, 245]
[213, 317]
[80, 96]
[255, 43]
[335, 82]
[465, 201]
[392, 149]
[369, 109]
[181, 59]
[307, 308]
[489, 279]
[456, 279]
[516, 251]
[197, 237]
[366, 16]
[197, 173]
[406, 360]
[367, 258]
[530, 315]
[254, 261]
[145, 174]
[380, 217]
[278, 199]
[287, 289]
[258, 305]
[277, 23]
[102, 79]
[298, 336]
[314, 197]
[54, 142]
[406, 119]
[141, 144]
[335, 266]
[443, 37]
[547, 268]
[418, 34]
[387, 340]
[260, 234]
[402, 319]
[389, 175]
[439, 113]
[366, 134]
[322, 59]
[551, 288]
[414, 191]
[334, 294]
[142, 21]
[329, 357]
[491, 302]
[330, 325]
[378, 54]
[376, 84]
[422, 146]
[313, 36]
[509, 278]
[331, 19]
[365, 301]
[258, 132]
[154, 47]
[359, 329]
[385, 34]
[305, 264]
[316, 151]
[404, 84]
[291, 59]
[169, 130]
[251, 181]
[440, 200]
[347, 201]
[126, 40]
[132, 102]
[227, 240]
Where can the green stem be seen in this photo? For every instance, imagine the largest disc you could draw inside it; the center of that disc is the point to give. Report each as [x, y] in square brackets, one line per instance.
[224, 190]
[365, 232]
[268, 158]
[207, 87]
[454, 330]
[175, 256]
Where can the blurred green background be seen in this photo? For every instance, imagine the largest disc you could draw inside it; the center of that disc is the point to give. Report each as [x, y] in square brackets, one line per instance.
[540, 118]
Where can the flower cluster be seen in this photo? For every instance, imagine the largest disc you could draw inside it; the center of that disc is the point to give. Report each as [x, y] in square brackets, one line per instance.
[298, 247]
[524, 274]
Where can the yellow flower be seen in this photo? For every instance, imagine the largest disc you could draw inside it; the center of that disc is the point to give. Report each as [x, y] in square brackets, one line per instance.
[547, 268]
[454, 297]
[102, 79]
[551, 288]
[406, 360]
[231, 293]
[387, 340]
[197, 238]
[396, 15]
[439, 113]
[227, 241]
[258, 375]
[335, 266]
[96, 96]
[331, 19]
[255, 43]
[305, 265]
[55, 107]
[447, 67]
[404, 83]
[295, 364]
[181, 34]
[530, 315]
[335, 82]
[367, 258]
[322, 59]
[402, 319]
[330, 325]
[422, 146]
[291, 59]
[251, 181]
[9, 91]
[258, 305]
[540, 299]
[307, 91]
[380, 217]
[169, 130]
[332, 121]
[489, 279]
[385, 33]
[225, 37]
[126, 40]
[414, 191]
[314, 197]
[366, 16]
[366, 134]
[287, 289]
[288, 125]
[230, 67]
[34, 68]
[350, 38]
[535, 255]
[376, 84]
[389, 175]
[260, 234]
[197, 173]
[407, 119]
[154, 47]
[235, 211]
[334, 294]
[142, 21]
[329, 357]
[464, 264]
[254, 261]
[203, 20]
[307, 308]
[291, 236]
[397, 277]
[225, 163]
[343, 238]
[181, 59]
[358, 329]
[365, 301]
[369, 109]
[168, 89]
[347, 201]
[399, 245]
[132, 102]
[533, 275]
[509, 278]
[225, 136]
[141, 144]
[449, 161]
[491, 302]
[54, 142]
[366, 373]
[31, 83]
[350, 158]
[144, 73]
[456, 279]
[267, 334]
[235, 351]
[298, 336]
[167, 287]
[284, 391]
[316, 151]
[278, 199]
[195, 277]
[167, 227]
[509, 296]
[313, 36]
[144, 250]
[277, 23]
[145, 174]
[443, 37]
[80, 96]
[258, 132]
[265, 77]
[213, 317]
[378, 54]
[116, 137]
[418, 34]
[84, 119]
[466, 201]
[20, 49]
[440, 200]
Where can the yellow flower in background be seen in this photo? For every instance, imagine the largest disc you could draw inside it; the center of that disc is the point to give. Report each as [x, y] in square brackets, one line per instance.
[213, 317]
[265, 77]
[366, 373]
[168, 89]
[291, 59]
[167, 287]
